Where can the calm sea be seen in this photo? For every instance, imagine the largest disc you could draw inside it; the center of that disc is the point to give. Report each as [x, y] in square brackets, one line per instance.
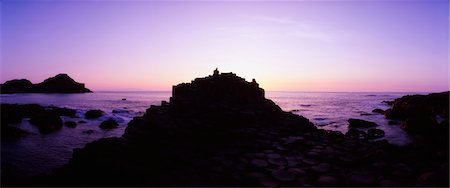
[41, 153]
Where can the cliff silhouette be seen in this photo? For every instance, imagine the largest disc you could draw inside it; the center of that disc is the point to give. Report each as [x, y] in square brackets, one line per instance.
[60, 83]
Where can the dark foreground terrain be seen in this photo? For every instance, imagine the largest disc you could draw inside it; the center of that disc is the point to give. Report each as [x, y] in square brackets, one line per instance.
[221, 131]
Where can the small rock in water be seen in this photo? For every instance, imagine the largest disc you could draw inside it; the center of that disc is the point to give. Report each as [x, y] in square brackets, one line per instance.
[109, 124]
[81, 122]
[124, 99]
[93, 114]
[70, 124]
[359, 123]
[47, 121]
[379, 111]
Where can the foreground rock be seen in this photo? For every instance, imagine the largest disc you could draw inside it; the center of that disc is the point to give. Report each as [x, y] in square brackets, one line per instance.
[61, 83]
[221, 131]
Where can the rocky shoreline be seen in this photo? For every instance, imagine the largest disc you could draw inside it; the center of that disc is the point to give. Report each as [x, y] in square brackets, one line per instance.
[221, 131]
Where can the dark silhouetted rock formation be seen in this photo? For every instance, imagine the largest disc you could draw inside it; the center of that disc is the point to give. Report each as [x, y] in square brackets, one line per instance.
[61, 83]
[425, 117]
[46, 119]
[17, 86]
[221, 131]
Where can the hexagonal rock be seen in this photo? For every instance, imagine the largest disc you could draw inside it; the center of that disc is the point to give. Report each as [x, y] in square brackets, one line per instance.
[325, 180]
[283, 175]
[259, 163]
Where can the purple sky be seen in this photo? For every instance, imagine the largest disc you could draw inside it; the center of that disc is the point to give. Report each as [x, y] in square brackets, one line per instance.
[293, 46]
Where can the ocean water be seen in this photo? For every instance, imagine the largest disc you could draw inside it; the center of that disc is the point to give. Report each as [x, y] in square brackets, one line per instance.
[41, 153]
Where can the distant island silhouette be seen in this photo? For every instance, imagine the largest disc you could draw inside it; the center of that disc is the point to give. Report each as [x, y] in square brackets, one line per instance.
[60, 83]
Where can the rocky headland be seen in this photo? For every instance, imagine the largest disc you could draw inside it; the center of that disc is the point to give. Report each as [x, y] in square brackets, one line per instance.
[221, 131]
[60, 83]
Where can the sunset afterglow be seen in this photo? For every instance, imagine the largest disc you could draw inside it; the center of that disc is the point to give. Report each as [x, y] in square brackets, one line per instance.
[287, 46]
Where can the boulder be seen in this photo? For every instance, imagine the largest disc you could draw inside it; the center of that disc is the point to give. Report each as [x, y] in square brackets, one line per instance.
[378, 111]
[109, 124]
[47, 121]
[64, 111]
[358, 123]
[70, 124]
[93, 114]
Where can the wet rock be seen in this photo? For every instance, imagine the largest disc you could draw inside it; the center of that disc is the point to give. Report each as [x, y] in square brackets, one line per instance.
[366, 114]
[378, 111]
[358, 123]
[375, 133]
[283, 175]
[64, 111]
[70, 124]
[82, 122]
[109, 124]
[46, 121]
[93, 114]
